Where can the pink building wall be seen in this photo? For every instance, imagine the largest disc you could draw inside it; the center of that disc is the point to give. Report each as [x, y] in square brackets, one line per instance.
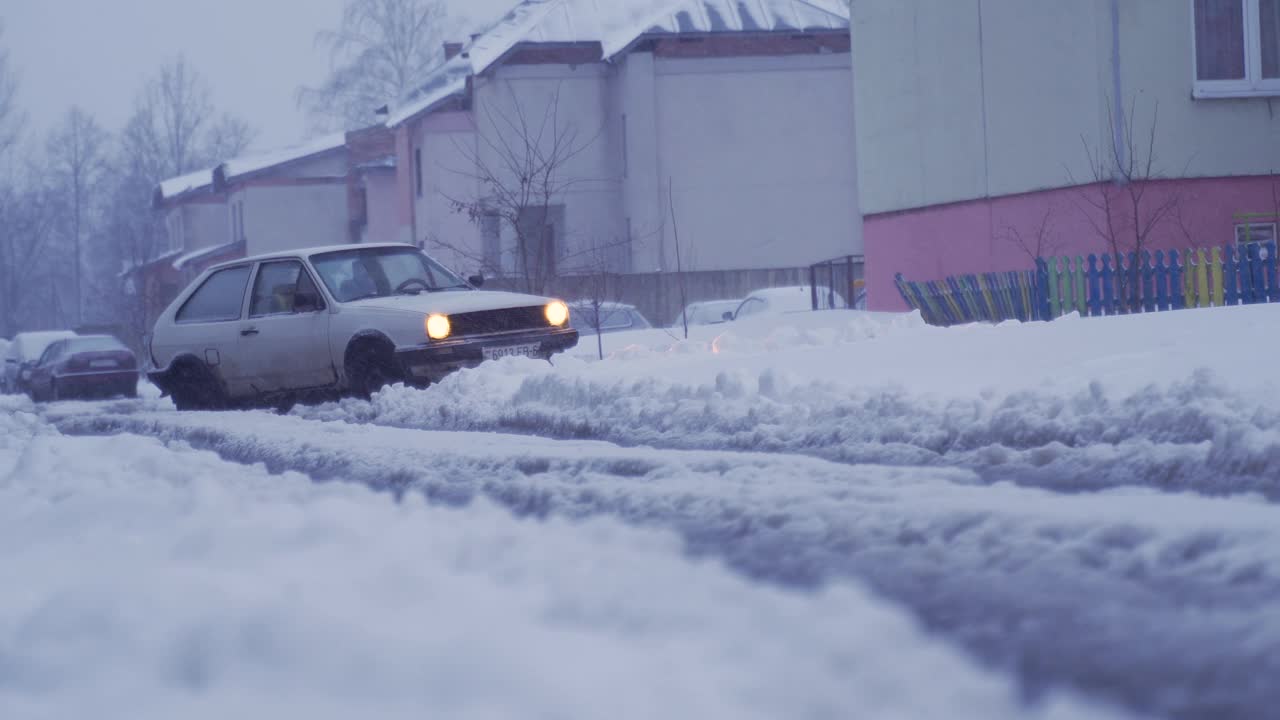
[978, 236]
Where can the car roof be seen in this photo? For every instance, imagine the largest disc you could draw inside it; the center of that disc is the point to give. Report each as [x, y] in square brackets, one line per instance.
[44, 336]
[309, 251]
[603, 305]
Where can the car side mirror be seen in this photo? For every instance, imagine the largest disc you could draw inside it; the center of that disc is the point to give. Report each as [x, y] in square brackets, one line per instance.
[476, 280]
[305, 303]
[727, 316]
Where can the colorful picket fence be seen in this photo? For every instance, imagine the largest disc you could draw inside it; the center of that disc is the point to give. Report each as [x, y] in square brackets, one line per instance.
[988, 297]
[1103, 285]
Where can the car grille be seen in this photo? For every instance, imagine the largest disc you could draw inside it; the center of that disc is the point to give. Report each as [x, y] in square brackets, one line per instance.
[488, 322]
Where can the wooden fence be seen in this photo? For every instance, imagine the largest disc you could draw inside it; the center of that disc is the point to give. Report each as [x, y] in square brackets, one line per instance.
[1103, 285]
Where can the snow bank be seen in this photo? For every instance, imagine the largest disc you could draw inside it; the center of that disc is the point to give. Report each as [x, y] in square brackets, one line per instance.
[148, 580]
[1081, 404]
[1161, 601]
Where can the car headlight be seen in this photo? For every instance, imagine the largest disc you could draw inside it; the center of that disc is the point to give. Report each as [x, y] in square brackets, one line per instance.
[438, 327]
[557, 313]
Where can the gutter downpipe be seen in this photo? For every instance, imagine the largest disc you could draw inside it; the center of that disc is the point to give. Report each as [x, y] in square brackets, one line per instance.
[1120, 152]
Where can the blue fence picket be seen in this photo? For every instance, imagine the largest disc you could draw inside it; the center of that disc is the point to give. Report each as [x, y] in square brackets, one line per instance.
[1108, 286]
[1148, 283]
[1269, 271]
[1162, 282]
[1133, 278]
[1257, 282]
[1095, 287]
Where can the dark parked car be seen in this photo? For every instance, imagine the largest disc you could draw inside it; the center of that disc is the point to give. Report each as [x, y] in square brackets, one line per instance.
[84, 366]
[22, 354]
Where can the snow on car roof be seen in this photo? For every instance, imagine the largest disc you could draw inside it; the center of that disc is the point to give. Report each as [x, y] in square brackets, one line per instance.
[308, 252]
[30, 345]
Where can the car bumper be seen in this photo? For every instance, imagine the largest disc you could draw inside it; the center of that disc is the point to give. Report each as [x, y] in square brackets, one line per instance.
[436, 359]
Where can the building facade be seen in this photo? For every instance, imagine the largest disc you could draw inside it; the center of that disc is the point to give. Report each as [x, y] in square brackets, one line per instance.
[989, 130]
[712, 135]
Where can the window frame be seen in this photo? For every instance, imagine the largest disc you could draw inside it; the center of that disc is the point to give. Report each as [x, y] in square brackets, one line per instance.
[1253, 84]
[248, 284]
[1274, 225]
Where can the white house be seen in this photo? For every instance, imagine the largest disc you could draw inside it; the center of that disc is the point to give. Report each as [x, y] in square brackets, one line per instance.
[977, 121]
[315, 193]
[724, 124]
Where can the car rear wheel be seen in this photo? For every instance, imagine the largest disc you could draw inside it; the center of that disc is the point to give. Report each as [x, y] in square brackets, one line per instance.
[194, 388]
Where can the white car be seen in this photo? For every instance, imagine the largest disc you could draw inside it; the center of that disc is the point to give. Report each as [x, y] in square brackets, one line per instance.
[707, 312]
[345, 319]
[606, 317]
[775, 301]
[23, 352]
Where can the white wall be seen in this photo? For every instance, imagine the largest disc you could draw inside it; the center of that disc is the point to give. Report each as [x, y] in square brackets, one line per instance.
[1209, 138]
[574, 99]
[447, 141]
[963, 99]
[954, 106]
[760, 152]
[286, 217]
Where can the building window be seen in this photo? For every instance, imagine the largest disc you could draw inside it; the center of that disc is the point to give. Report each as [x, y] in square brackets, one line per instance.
[1251, 232]
[1237, 47]
[417, 169]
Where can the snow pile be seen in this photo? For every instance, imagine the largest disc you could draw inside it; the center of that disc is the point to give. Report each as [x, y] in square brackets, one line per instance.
[802, 387]
[147, 580]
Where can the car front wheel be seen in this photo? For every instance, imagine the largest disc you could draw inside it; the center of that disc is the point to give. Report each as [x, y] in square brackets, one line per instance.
[370, 369]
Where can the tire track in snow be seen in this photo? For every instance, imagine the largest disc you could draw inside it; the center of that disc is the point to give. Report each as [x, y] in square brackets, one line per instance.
[1161, 602]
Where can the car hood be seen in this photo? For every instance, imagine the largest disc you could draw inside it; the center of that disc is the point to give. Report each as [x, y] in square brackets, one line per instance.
[450, 303]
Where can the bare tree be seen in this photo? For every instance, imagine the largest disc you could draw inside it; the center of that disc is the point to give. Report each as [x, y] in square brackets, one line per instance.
[1117, 203]
[11, 119]
[1038, 242]
[28, 216]
[381, 50]
[521, 164]
[77, 153]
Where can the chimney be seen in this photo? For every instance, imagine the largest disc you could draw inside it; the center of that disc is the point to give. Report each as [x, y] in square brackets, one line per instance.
[451, 50]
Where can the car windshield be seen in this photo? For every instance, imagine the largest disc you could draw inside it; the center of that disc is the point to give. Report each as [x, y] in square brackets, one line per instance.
[354, 275]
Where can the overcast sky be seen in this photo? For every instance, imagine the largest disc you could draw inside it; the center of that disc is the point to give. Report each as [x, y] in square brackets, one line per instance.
[254, 53]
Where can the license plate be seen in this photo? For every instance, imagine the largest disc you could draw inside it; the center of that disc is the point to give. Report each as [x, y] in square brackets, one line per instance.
[102, 363]
[497, 353]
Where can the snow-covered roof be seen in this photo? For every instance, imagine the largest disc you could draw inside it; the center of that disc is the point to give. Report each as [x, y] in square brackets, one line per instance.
[615, 25]
[183, 184]
[255, 163]
[204, 253]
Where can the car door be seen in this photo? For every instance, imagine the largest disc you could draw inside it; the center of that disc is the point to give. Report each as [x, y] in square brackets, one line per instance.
[284, 341]
[40, 381]
[208, 326]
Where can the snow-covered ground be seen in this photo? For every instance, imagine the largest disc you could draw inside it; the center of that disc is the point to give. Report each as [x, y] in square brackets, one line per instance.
[751, 522]
[145, 579]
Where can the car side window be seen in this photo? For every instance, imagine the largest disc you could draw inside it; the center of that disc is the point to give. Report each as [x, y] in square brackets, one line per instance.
[278, 287]
[750, 307]
[219, 299]
[50, 353]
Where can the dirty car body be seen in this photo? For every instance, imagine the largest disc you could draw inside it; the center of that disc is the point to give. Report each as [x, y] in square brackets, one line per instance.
[344, 319]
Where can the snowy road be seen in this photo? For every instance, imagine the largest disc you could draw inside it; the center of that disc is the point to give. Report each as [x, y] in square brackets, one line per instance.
[1102, 533]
